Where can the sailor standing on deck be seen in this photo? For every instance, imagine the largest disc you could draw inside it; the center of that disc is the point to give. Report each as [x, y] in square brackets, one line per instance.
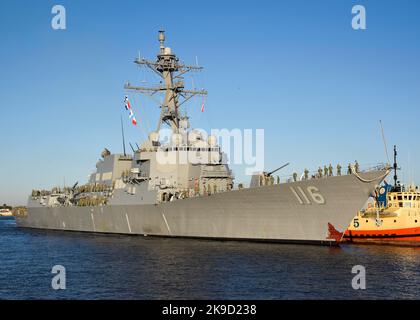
[330, 170]
[338, 170]
[319, 172]
[356, 166]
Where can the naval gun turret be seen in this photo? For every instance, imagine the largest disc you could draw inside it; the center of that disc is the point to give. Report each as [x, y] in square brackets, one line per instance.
[265, 178]
[274, 171]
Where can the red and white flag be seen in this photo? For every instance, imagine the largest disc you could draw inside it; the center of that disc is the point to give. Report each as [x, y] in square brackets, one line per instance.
[202, 106]
[127, 103]
[130, 110]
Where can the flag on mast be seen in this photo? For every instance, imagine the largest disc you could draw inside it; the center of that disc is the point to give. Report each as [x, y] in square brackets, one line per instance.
[202, 105]
[130, 110]
[127, 103]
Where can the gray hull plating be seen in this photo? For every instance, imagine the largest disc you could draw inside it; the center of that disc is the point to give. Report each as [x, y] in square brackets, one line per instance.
[299, 211]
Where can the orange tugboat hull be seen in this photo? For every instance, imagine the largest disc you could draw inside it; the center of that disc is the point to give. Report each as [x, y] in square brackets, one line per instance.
[409, 236]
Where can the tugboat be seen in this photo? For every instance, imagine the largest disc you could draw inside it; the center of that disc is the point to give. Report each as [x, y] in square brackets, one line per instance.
[394, 218]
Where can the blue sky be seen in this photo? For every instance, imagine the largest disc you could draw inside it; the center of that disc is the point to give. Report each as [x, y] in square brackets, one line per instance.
[294, 68]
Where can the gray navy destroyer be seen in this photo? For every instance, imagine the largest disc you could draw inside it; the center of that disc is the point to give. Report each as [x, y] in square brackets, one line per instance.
[184, 187]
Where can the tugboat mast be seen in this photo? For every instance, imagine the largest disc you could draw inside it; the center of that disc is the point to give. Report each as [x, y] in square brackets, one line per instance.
[395, 168]
[167, 66]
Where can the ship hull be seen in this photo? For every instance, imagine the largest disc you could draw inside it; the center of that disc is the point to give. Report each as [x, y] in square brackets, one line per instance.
[405, 236]
[313, 211]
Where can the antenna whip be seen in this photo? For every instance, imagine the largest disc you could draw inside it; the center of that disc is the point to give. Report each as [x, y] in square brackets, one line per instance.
[384, 140]
[123, 137]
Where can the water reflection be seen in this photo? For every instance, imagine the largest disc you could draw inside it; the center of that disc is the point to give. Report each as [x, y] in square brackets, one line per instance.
[127, 267]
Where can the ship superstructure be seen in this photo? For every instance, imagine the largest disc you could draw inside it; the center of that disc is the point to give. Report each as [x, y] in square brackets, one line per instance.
[183, 187]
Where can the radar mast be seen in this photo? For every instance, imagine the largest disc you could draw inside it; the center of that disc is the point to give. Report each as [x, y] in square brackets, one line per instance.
[168, 67]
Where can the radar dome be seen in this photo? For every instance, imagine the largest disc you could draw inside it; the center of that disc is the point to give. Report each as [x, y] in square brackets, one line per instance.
[194, 136]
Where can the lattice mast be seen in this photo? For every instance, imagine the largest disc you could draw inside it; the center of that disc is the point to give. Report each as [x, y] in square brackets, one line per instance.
[168, 67]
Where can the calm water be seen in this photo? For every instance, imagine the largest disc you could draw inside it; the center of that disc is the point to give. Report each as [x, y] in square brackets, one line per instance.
[119, 267]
